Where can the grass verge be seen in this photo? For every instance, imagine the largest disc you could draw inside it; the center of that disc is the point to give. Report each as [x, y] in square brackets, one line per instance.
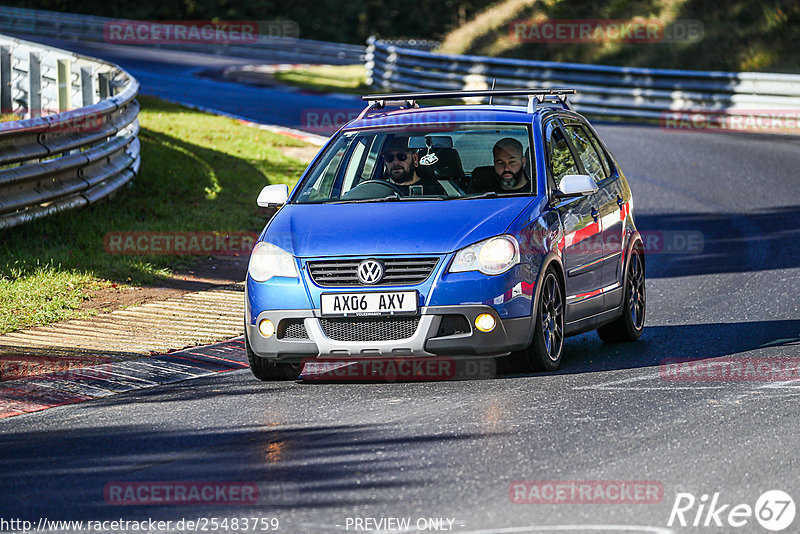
[330, 78]
[199, 172]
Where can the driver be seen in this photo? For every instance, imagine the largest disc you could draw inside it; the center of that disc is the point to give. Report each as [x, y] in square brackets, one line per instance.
[401, 168]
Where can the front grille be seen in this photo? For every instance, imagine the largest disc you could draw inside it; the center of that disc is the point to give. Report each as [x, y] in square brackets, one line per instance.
[397, 271]
[370, 329]
[292, 329]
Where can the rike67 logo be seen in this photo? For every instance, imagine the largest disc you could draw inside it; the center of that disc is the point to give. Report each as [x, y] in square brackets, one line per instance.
[774, 510]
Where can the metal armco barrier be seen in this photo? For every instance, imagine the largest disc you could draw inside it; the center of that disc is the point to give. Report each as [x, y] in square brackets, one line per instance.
[23, 21]
[75, 140]
[602, 90]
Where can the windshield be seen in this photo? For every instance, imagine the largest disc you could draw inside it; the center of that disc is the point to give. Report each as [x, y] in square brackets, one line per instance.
[422, 164]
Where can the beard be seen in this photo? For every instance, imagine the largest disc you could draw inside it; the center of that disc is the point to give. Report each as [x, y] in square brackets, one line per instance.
[510, 181]
[403, 177]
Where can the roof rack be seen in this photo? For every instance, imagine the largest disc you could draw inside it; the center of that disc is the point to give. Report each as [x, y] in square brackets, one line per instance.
[409, 99]
[380, 104]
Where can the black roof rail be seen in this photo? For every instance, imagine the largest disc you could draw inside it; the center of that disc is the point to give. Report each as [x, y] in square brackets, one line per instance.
[535, 96]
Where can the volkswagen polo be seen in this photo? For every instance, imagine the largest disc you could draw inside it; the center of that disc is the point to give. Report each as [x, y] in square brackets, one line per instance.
[463, 231]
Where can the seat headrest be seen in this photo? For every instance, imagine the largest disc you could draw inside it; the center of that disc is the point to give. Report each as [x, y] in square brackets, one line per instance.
[447, 166]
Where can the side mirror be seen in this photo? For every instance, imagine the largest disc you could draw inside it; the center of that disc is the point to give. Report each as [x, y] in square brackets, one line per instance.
[273, 195]
[576, 185]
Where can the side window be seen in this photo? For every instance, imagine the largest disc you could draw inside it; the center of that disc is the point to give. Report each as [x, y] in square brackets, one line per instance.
[357, 158]
[561, 160]
[603, 158]
[373, 158]
[324, 186]
[587, 152]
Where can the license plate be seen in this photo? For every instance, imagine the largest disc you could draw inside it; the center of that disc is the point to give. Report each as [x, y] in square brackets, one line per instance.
[370, 303]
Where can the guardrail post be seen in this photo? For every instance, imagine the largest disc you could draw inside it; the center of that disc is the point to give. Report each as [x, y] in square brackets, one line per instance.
[388, 68]
[104, 85]
[87, 92]
[34, 85]
[64, 82]
[5, 79]
[369, 60]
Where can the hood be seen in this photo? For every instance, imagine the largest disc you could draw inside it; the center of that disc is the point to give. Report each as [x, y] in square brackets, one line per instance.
[415, 227]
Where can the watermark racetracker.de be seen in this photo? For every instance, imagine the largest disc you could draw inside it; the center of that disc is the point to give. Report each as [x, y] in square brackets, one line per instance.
[586, 492]
[635, 30]
[436, 368]
[199, 493]
[175, 32]
[785, 121]
[69, 121]
[329, 120]
[56, 367]
[179, 243]
[730, 369]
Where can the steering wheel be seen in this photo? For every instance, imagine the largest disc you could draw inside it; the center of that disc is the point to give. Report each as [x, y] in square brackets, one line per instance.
[392, 187]
[387, 183]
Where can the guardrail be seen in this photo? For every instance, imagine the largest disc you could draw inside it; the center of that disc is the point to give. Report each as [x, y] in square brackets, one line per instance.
[602, 90]
[75, 141]
[71, 26]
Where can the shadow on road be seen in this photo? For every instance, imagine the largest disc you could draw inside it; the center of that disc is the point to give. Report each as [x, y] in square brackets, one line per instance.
[294, 468]
[730, 242]
[587, 354]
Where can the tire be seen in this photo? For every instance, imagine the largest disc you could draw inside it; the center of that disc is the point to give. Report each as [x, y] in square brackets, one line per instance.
[629, 326]
[544, 353]
[266, 370]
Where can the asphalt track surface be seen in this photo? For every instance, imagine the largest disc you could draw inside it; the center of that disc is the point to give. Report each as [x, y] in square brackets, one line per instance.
[325, 454]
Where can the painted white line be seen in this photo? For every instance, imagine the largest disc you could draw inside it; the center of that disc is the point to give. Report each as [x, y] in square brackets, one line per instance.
[781, 341]
[785, 384]
[604, 385]
[115, 372]
[521, 529]
[574, 528]
[644, 388]
[778, 395]
[53, 383]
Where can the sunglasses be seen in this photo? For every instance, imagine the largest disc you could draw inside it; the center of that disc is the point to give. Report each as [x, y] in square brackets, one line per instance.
[390, 156]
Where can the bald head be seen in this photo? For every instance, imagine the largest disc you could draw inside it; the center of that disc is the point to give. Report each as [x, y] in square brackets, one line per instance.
[508, 164]
[509, 145]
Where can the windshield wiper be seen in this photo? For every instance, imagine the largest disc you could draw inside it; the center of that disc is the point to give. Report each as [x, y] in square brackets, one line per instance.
[389, 198]
[492, 194]
[394, 197]
[488, 194]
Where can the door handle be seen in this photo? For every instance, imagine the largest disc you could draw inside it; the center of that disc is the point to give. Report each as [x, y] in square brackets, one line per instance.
[595, 214]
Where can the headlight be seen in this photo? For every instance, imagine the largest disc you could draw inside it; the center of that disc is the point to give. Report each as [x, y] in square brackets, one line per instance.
[267, 261]
[492, 256]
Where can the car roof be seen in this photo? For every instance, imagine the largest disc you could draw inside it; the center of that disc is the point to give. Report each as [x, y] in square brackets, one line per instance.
[455, 115]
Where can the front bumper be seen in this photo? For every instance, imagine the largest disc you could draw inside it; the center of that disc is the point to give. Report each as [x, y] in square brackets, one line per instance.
[439, 332]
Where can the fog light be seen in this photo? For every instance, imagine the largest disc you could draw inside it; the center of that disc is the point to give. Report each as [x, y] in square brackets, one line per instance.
[485, 322]
[266, 328]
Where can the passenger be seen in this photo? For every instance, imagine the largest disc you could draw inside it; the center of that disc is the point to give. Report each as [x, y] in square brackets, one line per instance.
[401, 168]
[509, 167]
[508, 174]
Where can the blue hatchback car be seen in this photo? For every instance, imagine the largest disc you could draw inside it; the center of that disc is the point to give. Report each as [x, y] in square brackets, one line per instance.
[461, 231]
